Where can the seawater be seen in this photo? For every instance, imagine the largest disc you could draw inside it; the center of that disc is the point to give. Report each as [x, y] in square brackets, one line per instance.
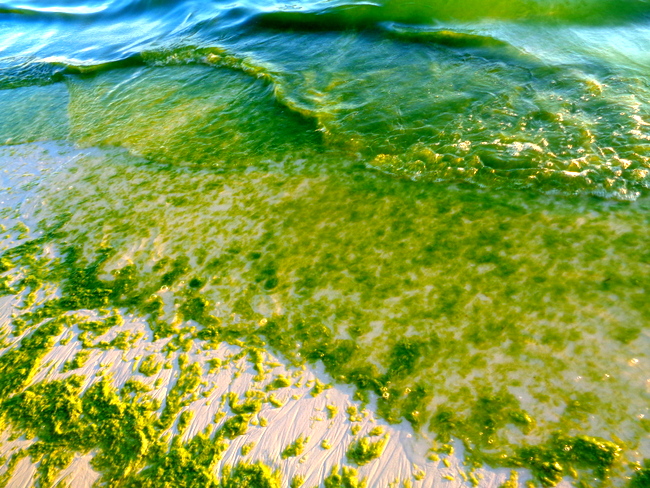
[445, 203]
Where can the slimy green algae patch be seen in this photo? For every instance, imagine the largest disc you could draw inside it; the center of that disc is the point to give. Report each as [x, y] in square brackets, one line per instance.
[508, 326]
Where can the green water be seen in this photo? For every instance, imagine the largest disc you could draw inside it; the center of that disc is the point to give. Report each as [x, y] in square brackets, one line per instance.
[444, 204]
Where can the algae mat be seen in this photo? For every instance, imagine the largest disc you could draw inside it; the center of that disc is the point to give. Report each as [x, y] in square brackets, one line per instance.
[516, 328]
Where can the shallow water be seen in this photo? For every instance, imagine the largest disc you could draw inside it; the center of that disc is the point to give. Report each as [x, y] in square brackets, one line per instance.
[444, 202]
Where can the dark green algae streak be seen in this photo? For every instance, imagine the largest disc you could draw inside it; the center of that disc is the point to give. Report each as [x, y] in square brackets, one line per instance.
[468, 311]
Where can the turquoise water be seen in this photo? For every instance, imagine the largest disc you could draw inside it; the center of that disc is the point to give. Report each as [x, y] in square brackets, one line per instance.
[445, 203]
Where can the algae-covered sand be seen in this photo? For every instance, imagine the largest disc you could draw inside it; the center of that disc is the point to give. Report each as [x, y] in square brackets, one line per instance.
[514, 331]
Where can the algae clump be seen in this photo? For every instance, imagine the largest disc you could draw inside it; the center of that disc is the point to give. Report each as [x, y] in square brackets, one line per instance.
[364, 450]
[296, 448]
[245, 475]
[150, 366]
[345, 478]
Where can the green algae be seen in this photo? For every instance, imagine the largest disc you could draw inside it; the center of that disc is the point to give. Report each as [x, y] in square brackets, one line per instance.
[483, 406]
[184, 465]
[246, 448]
[184, 420]
[642, 476]
[319, 387]
[512, 481]
[353, 413]
[236, 426]
[345, 478]
[488, 415]
[297, 481]
[251, 405]
[215, 127]
[424, 377]
[332, 411]
[273, 400]
[29, 113]
[188, 381]
[296, 448]
[550, 463]
[150, 366]
[64, 421]
[119, 427]
[250, 476]
[214, 364]
[18, 365]
[78, 361]
[364, 450]
[280, 381]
